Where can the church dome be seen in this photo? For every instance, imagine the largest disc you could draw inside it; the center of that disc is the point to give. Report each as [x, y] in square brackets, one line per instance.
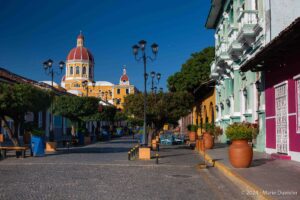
[80, 52]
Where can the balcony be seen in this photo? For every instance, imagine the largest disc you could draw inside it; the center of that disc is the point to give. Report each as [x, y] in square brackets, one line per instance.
[214, 70]
[235, 49]
[248, 26]
[222, 53]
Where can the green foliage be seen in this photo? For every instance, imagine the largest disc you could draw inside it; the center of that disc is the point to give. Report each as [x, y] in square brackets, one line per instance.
[161, 108]
[194, 72]
[239, 131]
[18, 99]
[192, 127]
[76, 108]
[212, 129]
[38, 132]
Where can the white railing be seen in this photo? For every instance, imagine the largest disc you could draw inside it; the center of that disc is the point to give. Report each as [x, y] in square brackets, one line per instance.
[248, 17]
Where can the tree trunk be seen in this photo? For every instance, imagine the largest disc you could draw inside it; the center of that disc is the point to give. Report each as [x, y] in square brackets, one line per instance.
[11, 134]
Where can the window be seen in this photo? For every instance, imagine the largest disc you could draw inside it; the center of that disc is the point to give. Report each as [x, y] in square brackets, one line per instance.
[77, 70]
[71, 70]
[84, 70]
[118, 91]
[298, 104]
[127, 91]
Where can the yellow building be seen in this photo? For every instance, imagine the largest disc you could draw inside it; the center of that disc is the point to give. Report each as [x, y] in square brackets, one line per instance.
[204, 110]
[79, 78]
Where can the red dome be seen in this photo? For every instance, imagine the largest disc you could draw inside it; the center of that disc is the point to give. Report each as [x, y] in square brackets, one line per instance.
[80, 53]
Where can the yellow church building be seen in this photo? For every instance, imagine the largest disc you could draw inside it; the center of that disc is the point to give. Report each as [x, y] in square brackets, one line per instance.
[79, 78]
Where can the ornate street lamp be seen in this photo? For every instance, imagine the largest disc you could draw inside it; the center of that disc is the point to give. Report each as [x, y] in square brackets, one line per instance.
[49, 70]
[141, 47]
[153, 83]
[85, 85]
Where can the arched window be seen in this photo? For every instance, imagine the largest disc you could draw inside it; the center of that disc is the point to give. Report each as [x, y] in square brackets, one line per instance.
[71, 70]
[77, 70]
[84, 70]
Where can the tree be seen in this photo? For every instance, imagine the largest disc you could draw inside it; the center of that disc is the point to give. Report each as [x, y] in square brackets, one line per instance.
[75, 108]
[161, 108]
[194, 72]
[18, 99]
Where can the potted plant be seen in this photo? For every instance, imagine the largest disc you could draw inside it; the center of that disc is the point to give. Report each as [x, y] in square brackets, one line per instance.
[192, 132]
[37, 142]
[240, 152]
[208, 136]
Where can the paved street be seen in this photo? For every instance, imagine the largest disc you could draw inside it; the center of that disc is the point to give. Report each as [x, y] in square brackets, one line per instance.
[102, 171]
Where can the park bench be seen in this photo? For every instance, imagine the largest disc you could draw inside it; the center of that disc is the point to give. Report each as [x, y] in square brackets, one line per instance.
[19, 150]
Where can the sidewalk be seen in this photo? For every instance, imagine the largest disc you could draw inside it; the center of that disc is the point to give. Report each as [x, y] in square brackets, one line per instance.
[266, 177]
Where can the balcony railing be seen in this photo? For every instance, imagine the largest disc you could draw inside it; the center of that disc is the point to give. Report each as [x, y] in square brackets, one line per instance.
[248, 25]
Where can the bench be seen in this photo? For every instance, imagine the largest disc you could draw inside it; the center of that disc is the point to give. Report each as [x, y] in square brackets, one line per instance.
[18, 149]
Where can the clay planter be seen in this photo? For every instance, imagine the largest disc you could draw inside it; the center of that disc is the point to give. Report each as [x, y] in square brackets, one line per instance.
[240, 154]
[192, 136]
[1, 137]
[208, 141]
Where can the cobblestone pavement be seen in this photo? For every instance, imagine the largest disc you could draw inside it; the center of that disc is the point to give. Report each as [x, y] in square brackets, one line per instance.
[102, 171]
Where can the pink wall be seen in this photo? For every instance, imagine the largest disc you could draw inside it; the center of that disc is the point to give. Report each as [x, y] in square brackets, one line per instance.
[271, 133]
[275, 76]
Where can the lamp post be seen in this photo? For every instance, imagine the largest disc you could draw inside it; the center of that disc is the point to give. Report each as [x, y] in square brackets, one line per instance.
[85, 85]
[49, 70]
[158, 76]
[142, 46]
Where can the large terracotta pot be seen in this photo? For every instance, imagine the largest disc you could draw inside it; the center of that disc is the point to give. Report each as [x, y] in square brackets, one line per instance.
[192, 136]
[208, 141]
[240, 154]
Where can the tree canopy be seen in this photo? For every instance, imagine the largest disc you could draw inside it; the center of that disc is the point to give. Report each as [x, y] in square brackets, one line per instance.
[18, 99]
[194, 72]
[161, 108]
[75, 108]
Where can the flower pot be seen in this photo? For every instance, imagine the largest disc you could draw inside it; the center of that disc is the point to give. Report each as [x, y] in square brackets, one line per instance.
[51, 146]
[208, 141]
[1, 137]
[192, 136]
[240, 154]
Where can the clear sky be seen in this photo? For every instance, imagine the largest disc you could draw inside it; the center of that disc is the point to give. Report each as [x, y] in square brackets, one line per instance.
[33, 31]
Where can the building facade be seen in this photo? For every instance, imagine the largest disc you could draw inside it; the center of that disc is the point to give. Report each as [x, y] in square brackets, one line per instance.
[279, 61]
[79, 78]
[204, 111]
[242, 29]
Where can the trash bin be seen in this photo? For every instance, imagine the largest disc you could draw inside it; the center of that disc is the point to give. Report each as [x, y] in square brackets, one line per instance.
[80, 139]
[37, 145]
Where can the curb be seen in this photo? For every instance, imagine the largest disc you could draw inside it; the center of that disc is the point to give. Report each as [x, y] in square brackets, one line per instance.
[248, 188]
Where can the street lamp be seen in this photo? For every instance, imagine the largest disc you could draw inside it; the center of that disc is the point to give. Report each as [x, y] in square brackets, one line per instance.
[49, 70]
[142, 46]
[153, 83]
[85, 85]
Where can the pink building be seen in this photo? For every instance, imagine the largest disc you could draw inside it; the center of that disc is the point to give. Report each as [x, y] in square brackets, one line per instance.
[279, 60]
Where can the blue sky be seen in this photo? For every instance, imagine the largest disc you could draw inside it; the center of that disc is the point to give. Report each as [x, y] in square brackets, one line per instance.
[33, 31]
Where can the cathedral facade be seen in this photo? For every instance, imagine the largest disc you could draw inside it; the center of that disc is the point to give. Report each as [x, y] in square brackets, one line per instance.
[79, 78]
